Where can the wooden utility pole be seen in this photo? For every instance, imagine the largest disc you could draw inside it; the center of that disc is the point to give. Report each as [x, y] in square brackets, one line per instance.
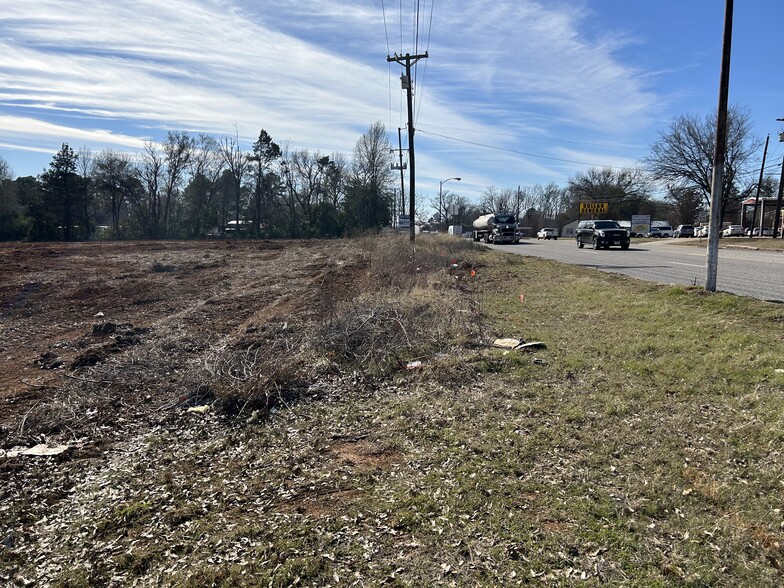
[401, 167]
[719, 153]
[408, 61]
[759, 187]
[777, 218]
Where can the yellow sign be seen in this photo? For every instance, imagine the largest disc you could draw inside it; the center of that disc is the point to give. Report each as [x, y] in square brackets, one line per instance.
[594, 207]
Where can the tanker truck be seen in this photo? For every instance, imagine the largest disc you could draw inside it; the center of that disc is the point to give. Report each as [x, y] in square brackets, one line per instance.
[498, 227]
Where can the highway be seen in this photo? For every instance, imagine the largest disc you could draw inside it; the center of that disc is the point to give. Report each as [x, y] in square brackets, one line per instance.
[744, 271]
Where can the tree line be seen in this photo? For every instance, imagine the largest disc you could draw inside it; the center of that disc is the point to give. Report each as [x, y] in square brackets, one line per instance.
[191, 186]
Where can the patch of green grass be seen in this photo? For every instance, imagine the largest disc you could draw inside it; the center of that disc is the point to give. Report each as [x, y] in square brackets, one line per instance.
[124, 517]
[73, 578]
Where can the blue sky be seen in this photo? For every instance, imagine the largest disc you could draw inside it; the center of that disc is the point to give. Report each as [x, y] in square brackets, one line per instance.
[514, 92]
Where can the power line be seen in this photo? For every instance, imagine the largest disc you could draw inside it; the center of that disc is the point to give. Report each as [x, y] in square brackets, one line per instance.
[522, 152]
[534, 137]
[416, 28]
[400, 19]
[384, 15]
[420, 94]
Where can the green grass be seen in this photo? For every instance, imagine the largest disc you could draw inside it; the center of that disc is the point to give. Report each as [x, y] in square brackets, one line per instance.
[762, 243]
[643, 448]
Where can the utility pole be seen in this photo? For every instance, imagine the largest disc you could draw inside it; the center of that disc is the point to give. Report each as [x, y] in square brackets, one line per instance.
[756, 198]
[401, 166]
[777, 218]
[409, 60]
[719, 153]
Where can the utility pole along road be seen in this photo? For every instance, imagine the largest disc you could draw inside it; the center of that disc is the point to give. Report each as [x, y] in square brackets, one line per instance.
[748, 272]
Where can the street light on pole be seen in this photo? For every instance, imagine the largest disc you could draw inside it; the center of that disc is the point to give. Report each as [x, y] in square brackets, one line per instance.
[441, 199]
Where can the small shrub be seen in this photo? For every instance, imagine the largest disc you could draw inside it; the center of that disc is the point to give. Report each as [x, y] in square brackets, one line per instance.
[260, 375]
[160, 267]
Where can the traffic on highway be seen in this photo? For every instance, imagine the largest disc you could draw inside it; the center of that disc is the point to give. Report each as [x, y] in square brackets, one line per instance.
[741, 270]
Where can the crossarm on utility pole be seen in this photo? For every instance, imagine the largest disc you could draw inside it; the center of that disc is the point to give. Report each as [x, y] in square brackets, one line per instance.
[408, 61]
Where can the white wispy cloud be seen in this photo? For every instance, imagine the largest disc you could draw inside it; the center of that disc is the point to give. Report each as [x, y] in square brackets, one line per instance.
[313, 73]
[183, 64]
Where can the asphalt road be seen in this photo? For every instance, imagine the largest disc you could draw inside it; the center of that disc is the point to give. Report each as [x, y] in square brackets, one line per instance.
[748, 272]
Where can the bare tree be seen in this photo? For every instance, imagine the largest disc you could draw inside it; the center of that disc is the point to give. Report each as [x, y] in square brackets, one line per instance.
[5, 170]
[334, 184]
[236, 163]
[369, 195]
[10, 209]
[177, 151]
[306, 175]
[113, 178]
[206, 166]
[542, 202]
[146, 202]
[492, 200]
[683, 155]
[686, 203]
[625, 190]
[85, 163]
[460, 205]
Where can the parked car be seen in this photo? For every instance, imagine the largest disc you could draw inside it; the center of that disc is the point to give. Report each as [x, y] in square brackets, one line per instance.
[766, 232]
[701, 231]
[683, 231]
[733, 231]
[547, 233]
[654, 232]
[665, 230]
[601, 234]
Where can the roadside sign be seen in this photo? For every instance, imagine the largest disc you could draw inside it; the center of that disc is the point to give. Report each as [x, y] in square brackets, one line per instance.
[403, 222]
[641, 224]
[594, 207]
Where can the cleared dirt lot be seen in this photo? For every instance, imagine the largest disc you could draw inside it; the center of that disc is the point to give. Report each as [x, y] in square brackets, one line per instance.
[69, 306]
[104, 342]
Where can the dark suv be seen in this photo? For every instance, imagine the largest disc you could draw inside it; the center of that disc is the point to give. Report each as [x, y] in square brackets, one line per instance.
[601, 234]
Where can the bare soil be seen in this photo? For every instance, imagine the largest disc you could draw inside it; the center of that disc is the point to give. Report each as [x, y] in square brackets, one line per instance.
[65, 308]
[102, 343]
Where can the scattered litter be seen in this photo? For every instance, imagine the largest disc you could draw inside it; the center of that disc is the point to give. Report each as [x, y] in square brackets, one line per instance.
[538, 361]
[98, 314]
[780, 371]
[40, 449]
[200, 409]
[532, 345]
[511, 343]
[507, 343]
[413, 365]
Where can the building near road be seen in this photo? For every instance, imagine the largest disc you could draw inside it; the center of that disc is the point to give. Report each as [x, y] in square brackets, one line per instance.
[764, 217]
[569, 229]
